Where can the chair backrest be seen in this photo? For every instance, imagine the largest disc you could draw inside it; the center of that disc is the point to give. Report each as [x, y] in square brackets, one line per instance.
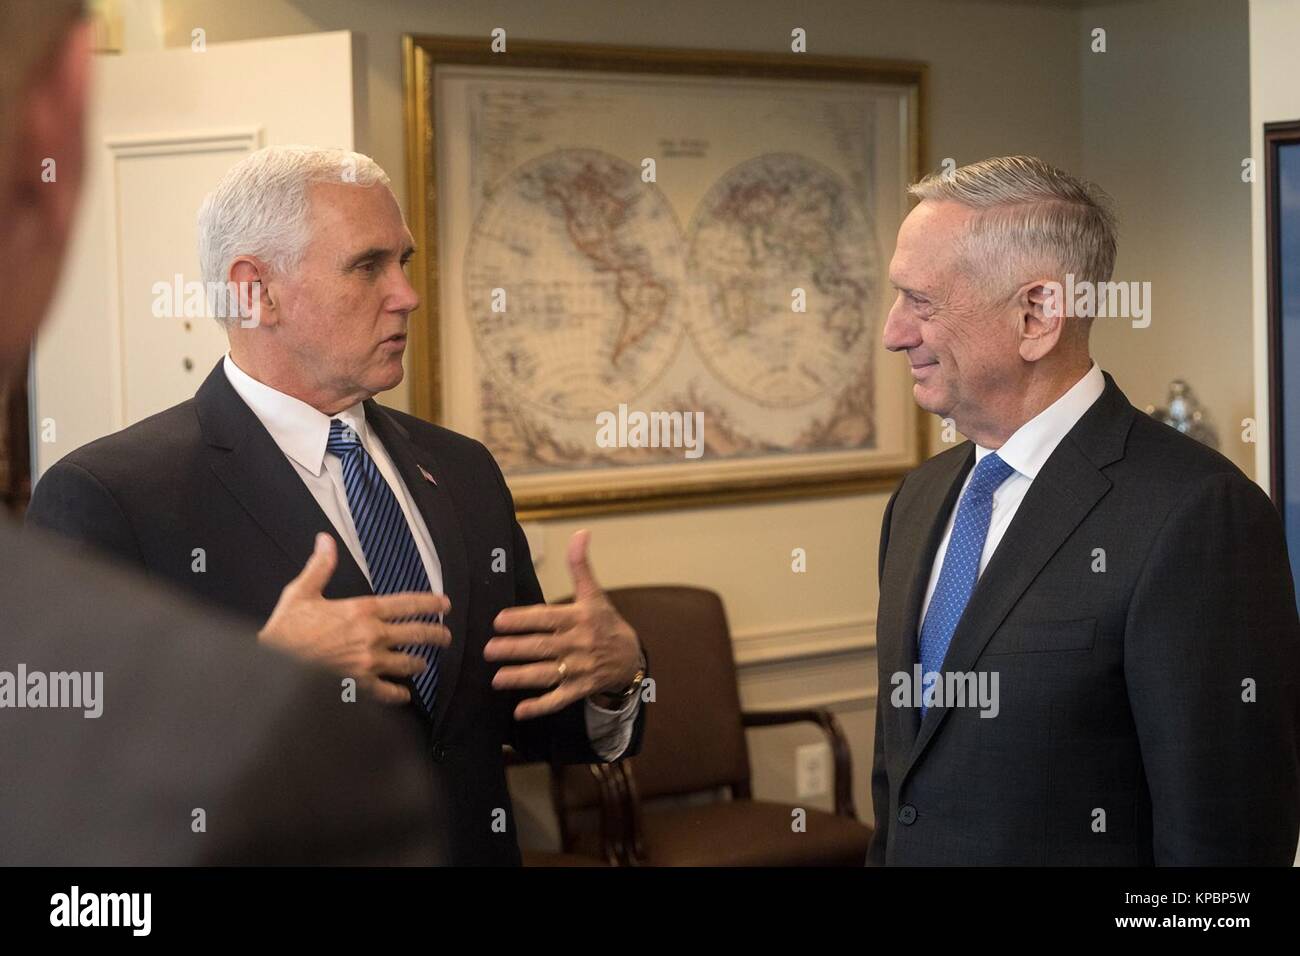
[693, 739]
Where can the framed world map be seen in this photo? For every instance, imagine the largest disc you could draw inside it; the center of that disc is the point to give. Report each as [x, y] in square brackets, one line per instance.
[658, 278]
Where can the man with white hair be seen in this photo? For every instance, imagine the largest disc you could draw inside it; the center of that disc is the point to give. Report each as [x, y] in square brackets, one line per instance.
[413, 554]
[1087, 639]
[185, 742]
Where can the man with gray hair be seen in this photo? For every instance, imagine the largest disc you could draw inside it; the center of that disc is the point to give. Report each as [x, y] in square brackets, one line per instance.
[201, 747]
[1087, 639]
[414, 559]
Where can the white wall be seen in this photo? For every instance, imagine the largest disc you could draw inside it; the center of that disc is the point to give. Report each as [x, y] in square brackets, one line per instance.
[1165, 126]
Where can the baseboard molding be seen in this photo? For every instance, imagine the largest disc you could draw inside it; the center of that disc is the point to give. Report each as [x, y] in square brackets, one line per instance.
[791, 642]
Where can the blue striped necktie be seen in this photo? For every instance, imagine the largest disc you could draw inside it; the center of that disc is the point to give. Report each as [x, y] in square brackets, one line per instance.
[961, 564]
[386, 540]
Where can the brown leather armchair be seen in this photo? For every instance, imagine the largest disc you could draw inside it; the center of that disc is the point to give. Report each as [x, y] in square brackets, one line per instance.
[695, 747]
[532, 857]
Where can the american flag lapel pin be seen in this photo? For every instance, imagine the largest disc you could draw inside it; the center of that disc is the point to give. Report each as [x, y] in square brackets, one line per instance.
[427, 477]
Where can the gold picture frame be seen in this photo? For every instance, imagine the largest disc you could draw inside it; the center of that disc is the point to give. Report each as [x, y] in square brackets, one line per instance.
[424, 55]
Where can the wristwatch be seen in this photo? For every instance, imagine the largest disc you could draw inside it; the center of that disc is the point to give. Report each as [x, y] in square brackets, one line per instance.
[617, 700]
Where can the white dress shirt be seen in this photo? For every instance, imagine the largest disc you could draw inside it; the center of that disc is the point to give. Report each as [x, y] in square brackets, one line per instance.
[302, 432]
[1026, 451]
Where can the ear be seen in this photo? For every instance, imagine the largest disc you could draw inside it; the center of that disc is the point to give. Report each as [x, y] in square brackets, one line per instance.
[253, 294]
[1040, 309]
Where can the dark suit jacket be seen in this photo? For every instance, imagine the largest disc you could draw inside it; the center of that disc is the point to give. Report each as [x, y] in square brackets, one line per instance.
[1120, 691]
[194, 717]
[206, 474]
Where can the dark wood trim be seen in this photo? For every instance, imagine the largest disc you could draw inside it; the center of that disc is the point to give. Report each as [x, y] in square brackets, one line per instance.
[15, 443]
[1275, 136]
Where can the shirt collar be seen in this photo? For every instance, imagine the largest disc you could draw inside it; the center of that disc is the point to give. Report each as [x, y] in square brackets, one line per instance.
[300, 430]
[1029, 447]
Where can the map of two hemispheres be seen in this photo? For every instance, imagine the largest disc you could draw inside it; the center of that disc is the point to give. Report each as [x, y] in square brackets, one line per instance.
[677, 294]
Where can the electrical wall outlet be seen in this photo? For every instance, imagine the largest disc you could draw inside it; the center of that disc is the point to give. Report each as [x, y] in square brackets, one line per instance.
[812, 770]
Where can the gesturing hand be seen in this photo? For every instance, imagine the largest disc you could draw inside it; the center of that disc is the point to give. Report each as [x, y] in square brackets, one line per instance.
[577, 649]
[356, 637]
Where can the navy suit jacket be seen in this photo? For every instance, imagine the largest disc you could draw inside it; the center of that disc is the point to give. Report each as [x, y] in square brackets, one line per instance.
[1123, 734]
[207, 474]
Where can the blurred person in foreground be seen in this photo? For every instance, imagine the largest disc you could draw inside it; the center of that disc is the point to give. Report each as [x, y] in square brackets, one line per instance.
[135, 726]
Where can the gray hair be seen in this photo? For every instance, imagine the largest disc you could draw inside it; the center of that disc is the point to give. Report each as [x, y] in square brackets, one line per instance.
[1032, 215]
[261, 208]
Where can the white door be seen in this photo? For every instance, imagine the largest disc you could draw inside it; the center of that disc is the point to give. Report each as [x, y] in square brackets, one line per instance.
[164, 127]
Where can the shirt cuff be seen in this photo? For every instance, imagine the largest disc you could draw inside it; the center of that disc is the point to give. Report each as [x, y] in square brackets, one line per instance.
[610, 731]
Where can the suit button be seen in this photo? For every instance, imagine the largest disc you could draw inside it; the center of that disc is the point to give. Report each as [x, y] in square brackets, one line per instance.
[439, 752]
[907, 814]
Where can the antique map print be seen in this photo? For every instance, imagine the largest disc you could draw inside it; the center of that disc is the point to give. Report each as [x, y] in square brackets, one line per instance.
[745, 280]
[696, 245]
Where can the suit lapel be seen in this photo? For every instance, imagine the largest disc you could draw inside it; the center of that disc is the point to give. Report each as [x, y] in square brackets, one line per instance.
[915, 532]
[1067, 488]
[257, 474]
[433, 498]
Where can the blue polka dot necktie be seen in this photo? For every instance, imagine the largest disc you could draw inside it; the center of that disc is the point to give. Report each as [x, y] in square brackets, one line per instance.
[386, 540]
[961, 564]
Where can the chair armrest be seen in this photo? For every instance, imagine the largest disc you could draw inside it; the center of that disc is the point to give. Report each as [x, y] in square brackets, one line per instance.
[633, 841]
[614, 814]
[839, 746]
[614, 811]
